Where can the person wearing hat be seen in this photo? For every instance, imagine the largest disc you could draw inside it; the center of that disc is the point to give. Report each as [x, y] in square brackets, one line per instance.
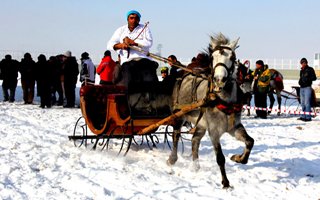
[70, 71]
[164, 72]
[67, 54]
[307, 75]
[106, 68]
[88, 70]
[261, 88]
[134, 64]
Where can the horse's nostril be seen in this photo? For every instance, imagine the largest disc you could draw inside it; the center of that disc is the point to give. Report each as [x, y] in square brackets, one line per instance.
[224, 79]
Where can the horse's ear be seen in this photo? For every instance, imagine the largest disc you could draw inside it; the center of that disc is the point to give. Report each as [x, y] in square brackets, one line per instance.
[213, 42]
[234, 44]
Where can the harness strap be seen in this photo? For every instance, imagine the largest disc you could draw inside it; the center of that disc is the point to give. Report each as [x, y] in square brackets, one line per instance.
[210, 92]
[194, 89]
[233, 59]
[176, 101]
[136, 103]
[209, 99]
[202, 110]
[195, 86]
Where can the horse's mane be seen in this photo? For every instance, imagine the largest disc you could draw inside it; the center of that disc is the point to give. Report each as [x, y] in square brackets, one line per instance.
[217, 40]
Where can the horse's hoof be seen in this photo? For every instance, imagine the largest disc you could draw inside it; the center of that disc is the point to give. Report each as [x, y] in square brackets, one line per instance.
[278, 113]
[237, 158]
[195, 166]
[226, 184]
[171, 161]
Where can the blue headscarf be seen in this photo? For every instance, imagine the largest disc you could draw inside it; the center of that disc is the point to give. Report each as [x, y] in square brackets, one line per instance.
[133, 12]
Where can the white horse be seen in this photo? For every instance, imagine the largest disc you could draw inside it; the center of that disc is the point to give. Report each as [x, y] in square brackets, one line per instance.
[221, 113]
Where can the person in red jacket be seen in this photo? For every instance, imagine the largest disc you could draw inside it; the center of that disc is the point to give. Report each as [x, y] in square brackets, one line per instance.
[106, 68]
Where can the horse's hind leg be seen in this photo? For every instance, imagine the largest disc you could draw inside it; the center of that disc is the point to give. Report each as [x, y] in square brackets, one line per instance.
[175, 139]
[272, 100]
[249, 103]
[279, 102]
[196, 138]
[240, 133]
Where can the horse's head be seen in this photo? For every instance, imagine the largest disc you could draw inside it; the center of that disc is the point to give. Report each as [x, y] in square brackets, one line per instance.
[222, 52]
[244, 76]
[243, 72]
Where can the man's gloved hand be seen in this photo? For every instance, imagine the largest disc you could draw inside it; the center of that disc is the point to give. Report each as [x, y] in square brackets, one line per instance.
[129, 42]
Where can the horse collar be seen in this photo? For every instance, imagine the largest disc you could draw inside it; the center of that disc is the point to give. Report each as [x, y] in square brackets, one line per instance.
[229, 108]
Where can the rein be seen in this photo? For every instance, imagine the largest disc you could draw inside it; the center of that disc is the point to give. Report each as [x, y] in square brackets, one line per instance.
[144, 27]
[162, 59]
[232, 58]
[212, 97]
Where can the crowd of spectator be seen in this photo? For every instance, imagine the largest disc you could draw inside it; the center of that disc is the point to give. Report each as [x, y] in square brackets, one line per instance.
[54, 78]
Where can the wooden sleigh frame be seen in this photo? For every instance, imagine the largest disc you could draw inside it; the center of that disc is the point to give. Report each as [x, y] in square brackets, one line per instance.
[105, 111]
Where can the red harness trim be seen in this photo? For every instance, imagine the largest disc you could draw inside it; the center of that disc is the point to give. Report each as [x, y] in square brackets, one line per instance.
[229, 108]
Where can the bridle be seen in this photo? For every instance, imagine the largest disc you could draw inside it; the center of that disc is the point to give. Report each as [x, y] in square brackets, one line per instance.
[232, 58]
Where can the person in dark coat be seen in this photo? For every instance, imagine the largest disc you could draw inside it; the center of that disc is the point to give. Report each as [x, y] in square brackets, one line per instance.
[260, 89]
[44, 81]
[307, 75]
[28, 73]
[55, 65]
[70, 75]
[9, 75]
[174, 71]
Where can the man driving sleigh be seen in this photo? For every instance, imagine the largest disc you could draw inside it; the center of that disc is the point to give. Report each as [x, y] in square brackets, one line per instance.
[136, 67]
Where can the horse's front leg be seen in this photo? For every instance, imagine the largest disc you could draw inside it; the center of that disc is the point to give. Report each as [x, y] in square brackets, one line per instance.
[221, 161]
[196, 138]
[175, 140]
[240, 133]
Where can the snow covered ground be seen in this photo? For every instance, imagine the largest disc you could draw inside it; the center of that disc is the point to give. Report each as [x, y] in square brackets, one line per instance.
[37, 161]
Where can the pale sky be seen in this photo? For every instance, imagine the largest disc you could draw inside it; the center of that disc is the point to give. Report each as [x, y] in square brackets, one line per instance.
[267, 28]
